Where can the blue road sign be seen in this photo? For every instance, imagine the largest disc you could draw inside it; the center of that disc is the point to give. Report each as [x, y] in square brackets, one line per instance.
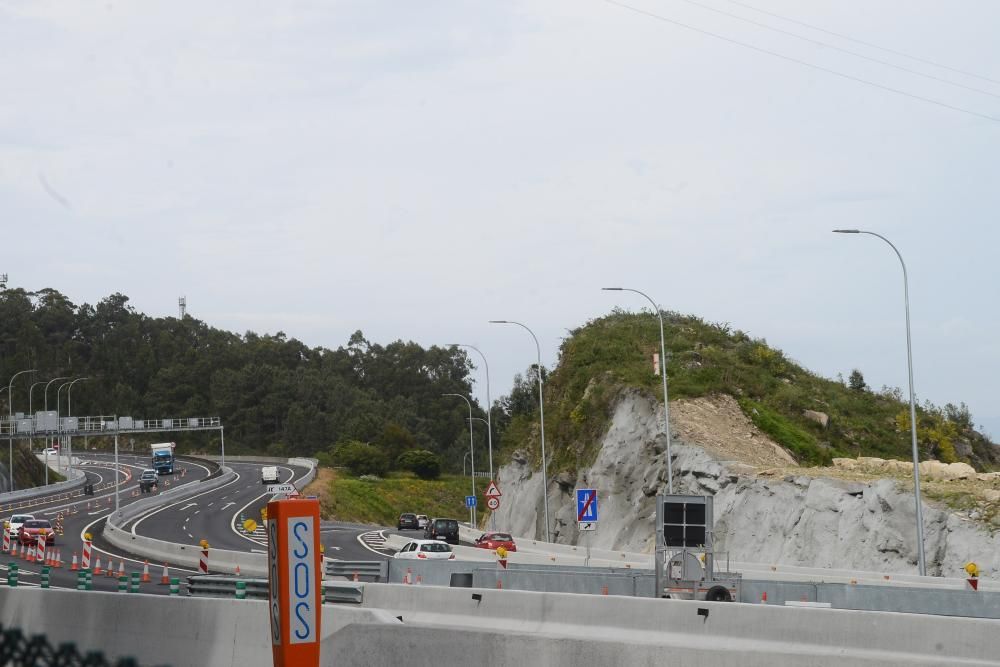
[470, 501]
[586, 505]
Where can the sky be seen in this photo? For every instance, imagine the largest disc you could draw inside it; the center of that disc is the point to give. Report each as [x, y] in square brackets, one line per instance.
[415, 169]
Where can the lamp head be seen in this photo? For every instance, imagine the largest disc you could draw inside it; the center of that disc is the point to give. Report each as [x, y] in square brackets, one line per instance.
[847, 231]
[499, 322]
[611, 289]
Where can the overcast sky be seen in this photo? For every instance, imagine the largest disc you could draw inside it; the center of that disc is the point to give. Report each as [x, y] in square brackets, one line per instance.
[414, 169]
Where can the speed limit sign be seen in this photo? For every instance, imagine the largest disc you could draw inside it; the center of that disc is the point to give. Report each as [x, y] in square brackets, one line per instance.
[493, 503]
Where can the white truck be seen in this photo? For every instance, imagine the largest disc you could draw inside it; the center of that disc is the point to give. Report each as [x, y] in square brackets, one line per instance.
[163, 458]
[269, 475]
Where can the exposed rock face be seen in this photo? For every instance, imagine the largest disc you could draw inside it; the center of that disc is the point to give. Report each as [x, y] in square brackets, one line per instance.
[796, 521]
[820, 418]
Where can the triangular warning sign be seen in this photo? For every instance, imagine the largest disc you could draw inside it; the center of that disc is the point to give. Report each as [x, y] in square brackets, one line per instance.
[492, 491]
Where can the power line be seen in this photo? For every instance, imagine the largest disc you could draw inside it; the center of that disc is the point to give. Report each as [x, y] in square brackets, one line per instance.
[861, 41]
[834, 47]
[804, 63]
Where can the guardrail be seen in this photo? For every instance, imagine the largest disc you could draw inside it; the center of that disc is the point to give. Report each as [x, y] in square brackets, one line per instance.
[224, 586]
[377, 569]
[16, 498]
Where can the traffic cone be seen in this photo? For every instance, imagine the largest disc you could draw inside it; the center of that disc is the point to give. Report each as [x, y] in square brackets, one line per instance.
[418, 580]
[165, 579]
[356, 578]
[97, 567]
[406, 579]
[499, 585]
[76, 565]
[145, 573]
[121, 568]
[58, 558]
[763, 597]
[28, 554]
[238, 573]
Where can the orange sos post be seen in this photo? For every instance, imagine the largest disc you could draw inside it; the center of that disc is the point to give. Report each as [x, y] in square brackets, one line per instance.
[294, 581]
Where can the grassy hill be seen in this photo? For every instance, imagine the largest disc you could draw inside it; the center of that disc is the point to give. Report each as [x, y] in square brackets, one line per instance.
[381, 500]
[28, 470]
[610, 353]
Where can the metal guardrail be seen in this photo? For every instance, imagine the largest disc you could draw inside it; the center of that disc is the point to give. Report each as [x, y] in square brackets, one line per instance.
[224, 586]
[378, 569]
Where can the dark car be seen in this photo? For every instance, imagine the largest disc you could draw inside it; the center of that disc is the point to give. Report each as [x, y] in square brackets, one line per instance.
[408, 521]
[442, 529]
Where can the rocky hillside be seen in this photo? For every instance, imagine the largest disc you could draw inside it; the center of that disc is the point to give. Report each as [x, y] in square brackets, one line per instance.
[767, 508]
[814, 419]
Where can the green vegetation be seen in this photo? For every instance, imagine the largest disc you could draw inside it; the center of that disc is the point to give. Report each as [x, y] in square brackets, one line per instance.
[381, 501]
[273, 393]
[28, 470]
[599, 360]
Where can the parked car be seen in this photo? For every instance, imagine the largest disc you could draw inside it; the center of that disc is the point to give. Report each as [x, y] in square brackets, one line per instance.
[422, 521]
[426, 549]
[32, 528]
[13, 524]
[442, 529]
[147, 480]
[495, 540]
[50, 451]
[407, 521]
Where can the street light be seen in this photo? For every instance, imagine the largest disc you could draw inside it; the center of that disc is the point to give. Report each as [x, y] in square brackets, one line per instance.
[10, 413]
[69, 413]
[541, 421]
[65, 377]
[489, 419]
[913, 401]
[472, 458]
[31, 441]
[663, 374]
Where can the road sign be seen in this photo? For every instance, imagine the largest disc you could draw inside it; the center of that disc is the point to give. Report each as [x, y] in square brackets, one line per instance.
[587, 525]
[492, 491]
[493, 503]
[586, 505]
[281, 488]
[294, 582]
[470, 501]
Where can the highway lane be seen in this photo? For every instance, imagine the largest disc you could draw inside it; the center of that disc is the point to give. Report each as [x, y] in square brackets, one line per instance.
[86, 513]
[215, 515]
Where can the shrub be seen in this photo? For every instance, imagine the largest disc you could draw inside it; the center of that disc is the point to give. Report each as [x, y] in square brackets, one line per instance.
[360, 459]
[424, 464]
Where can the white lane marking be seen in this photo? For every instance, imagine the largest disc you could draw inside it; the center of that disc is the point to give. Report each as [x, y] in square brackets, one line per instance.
[156, 511]
[195, 512]
[226, 506]
[232, 522]
[120, 557]
[210, 504]
[373, 540]
[188, 505]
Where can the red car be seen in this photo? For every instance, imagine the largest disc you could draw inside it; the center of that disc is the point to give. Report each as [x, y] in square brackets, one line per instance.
[31, 529]
[495, 540]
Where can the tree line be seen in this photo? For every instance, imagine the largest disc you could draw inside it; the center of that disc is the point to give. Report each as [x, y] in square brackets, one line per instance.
[273, 393]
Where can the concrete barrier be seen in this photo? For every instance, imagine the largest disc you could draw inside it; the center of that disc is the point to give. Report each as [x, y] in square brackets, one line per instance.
[158, 630]
[75, 482]
[505, 627]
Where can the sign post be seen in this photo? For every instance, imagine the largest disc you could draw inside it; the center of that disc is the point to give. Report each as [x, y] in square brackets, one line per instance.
[294, 581]
[586, 509]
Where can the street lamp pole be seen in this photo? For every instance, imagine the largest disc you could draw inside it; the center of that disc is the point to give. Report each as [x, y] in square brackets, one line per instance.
[31, 441]
[663, 374]
[65, 377]
[10, 413]
[472, 458]
[913, 401]
[489, 419]
[69, 413]
[541, 421]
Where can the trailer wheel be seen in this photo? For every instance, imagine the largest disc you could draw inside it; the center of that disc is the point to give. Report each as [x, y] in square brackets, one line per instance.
[718, 594]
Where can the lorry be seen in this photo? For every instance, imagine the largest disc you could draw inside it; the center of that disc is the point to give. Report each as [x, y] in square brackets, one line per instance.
[163, 458]
[269, 475]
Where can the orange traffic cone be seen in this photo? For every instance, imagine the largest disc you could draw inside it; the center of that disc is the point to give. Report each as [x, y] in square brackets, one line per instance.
[76, 565]
[97, 566]
[29, 555]
[356, 578]
[58, 563]
[165, 579]
[238, 573]
[145, 573]
[121, 568]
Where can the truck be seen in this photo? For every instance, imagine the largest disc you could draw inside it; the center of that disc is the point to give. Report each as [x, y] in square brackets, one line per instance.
[163, 458]
[269, 475]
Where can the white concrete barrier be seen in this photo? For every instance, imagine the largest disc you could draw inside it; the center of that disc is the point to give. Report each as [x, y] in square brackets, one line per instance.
[585, 630]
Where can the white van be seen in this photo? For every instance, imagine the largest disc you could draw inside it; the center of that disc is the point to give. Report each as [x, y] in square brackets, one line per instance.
[269, 475]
